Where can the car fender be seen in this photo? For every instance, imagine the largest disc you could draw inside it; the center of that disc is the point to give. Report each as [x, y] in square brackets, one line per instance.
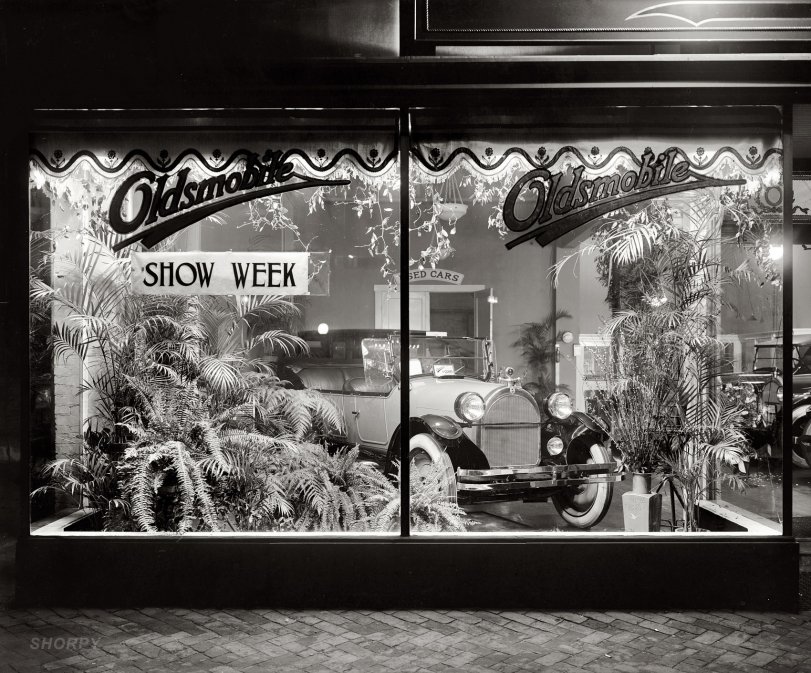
[585, 436]
[429, 444]
[587, 424]
[800, 411]
[462, 452]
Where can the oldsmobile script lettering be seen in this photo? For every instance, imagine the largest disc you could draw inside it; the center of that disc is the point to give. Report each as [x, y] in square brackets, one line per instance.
[170, 203]
[562, 207]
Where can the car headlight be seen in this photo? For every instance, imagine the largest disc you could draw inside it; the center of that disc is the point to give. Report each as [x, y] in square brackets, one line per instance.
[559, 405]
[469, 406]
[772, 393]
[554, 446]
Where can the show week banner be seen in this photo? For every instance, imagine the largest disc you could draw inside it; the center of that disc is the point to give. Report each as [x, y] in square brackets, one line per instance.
[235, 273]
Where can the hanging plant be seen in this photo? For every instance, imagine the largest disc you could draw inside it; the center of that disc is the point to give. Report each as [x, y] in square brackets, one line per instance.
[754, 227]
[373, 198]
[437, 205]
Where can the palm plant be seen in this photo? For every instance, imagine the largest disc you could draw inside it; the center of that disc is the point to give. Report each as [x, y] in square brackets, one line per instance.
[664, 355]
[238, 377]
[116, 335]
[661, 374]
[707, 444]
[537, 343]
[231, 342]
[91, 480]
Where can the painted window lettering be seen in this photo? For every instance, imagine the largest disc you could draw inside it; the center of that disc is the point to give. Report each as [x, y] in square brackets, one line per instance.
[165, 274]
[167, 210]
[220, 272]
[562, 207]
[270, 274]
[441, 275]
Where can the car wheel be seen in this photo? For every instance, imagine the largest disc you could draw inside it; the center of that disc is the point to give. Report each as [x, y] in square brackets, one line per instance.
[801, 454]
[799, 426]
[423, 457]
[585, 505]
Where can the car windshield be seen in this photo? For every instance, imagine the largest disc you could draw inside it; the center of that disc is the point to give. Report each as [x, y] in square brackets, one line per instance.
[448, 356]
[771, 357]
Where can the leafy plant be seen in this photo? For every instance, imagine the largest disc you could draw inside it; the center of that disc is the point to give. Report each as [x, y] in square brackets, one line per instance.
[537, 343]
[231, 344]
[430, 510]
[251, 494]
[172, 438]
[90, 479]
[116, 335]
[706, 450]
[662, 397]
[334, 492]
[427, 195]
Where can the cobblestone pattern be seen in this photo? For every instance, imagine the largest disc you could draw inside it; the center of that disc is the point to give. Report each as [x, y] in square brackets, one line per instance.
[132, 641]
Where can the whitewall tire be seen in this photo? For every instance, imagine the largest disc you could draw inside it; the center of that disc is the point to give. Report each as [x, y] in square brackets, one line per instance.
[424, 452]
[584, 506]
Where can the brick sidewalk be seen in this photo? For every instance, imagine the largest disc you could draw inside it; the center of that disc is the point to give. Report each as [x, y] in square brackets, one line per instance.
[444, 641]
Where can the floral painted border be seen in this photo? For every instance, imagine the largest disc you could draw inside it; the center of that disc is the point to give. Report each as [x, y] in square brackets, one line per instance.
[434, 160]
[112, 163]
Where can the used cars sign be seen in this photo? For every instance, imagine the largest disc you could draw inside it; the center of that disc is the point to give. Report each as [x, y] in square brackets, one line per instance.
[235, 273]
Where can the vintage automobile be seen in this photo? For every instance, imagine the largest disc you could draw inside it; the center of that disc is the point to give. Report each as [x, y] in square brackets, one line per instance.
[490, 436]
[760, 392]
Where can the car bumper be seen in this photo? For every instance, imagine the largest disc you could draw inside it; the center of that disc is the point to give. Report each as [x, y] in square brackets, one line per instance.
[517, 478]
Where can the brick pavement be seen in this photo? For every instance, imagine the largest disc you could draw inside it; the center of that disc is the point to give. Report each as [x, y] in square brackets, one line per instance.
[225, 641]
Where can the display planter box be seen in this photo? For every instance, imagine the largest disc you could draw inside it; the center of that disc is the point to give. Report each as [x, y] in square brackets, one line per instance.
[67, 521]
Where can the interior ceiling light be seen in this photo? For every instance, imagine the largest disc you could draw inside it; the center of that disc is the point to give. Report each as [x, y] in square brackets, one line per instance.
[453, 206]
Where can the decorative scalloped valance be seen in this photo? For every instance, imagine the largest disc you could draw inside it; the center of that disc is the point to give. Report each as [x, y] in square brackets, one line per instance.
[751, 157]
[483, 164]
[113, 155]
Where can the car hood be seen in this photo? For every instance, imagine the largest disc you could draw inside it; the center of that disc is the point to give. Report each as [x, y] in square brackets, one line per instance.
[434, 395]
[801, 385]
[746, 377]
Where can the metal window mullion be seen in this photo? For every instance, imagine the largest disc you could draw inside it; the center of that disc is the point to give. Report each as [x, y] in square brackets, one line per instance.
[788, 321]
[404, 133]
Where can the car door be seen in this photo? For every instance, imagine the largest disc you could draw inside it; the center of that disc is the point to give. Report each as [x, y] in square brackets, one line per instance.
[370, 415]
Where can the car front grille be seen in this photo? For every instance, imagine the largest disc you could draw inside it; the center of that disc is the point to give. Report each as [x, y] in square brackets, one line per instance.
[510, 431]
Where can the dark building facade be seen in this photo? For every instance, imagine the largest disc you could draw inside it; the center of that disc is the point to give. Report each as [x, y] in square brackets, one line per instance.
[584, 201]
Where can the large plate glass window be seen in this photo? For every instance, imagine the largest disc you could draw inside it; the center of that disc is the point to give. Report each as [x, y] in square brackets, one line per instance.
[595, 305]
[202, 308]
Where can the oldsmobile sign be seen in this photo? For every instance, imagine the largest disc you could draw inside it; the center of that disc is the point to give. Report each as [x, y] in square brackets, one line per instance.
[152, 207]
[561, 204]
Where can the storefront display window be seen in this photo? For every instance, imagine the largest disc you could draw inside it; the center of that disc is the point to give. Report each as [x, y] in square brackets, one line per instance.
[620, 268]
[594, 302]
[197, 306]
